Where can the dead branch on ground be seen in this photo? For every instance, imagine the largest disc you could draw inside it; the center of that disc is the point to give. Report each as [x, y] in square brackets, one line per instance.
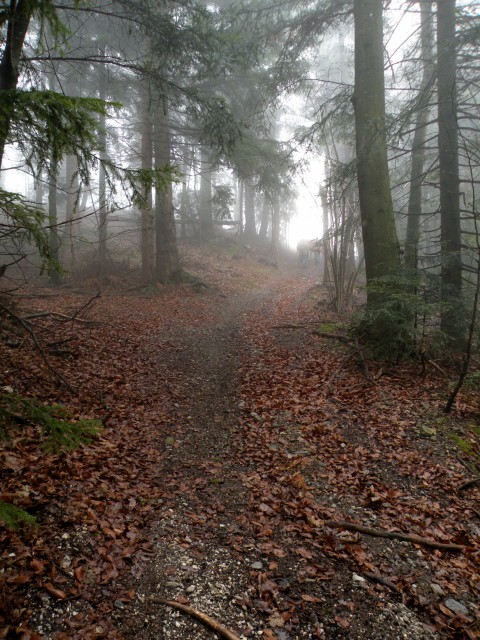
[393, 535]
[373, 577]
[468, 484]
[198, 615]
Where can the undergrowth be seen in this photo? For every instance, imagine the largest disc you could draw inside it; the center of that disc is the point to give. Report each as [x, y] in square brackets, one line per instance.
[57, 430]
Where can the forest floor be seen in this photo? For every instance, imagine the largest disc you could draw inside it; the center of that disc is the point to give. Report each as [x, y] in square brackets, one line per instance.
[237, 438]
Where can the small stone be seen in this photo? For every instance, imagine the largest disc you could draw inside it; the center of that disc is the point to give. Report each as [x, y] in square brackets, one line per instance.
[456, 607]
[257, 566]
[427, 432]
[437, 589]
[190, 589]
[359, 579]
[118, 604]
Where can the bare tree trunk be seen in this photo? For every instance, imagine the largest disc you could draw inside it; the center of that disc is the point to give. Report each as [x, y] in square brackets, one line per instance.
[378, 223]
[206, 212]
[250, 227]
[418, 147]
[265, 220]
[102, 196]
[276, 230]
[20, 13]
[147, 234]
[240, 194]
[54, 240]
[72, 189]
[452, 321]
[167, 266]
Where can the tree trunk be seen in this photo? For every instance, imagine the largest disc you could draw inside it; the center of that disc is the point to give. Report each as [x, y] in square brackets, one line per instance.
[206, 212]
[147, 235]
[418, 147]
[451, 273]
[250, 227]
[73, 195]
[240, 194]
[276, 230]
[376, 208]
[167, 266]
[17, 26]
[54, 240]
[265, 220]
[102, 196]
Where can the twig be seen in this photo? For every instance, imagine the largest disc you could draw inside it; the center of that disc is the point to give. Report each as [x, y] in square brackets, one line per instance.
[373, 577]
[468, 484]
[206, 620]
[393, 535]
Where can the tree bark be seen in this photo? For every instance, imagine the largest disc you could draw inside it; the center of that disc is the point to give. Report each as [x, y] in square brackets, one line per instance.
[206, 212]
[167, 265]
[276, 229]
[147, 234]
[102, 196]
[250, 227]
[17, 26]
[418, 147]
[451, 272]
[376, 208]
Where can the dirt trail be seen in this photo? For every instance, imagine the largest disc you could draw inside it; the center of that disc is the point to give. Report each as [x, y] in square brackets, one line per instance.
[205, 552]
[193, 557]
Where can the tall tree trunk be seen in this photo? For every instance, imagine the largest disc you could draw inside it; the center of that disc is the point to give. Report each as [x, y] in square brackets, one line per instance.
[378, 223]
[418, 147]
[20, 12]
[102, 195]
[240, 194]
[206, 210]
[451, 273]
[265, 219]
[54, 240]
[73, 195]
[250, 227]
[147, 234]
[276, 229]
[167, 266]
[326, 235]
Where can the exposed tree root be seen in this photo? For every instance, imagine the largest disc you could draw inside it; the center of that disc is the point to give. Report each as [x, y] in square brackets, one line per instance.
[194, 613]
[393, 535]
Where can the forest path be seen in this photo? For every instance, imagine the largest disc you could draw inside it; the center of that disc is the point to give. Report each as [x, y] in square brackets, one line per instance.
[226, 541]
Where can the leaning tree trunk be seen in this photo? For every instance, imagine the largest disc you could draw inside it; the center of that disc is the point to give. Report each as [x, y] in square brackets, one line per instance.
[451, 273]
[380, 239]
[418, 146]
[17, 25]
[167, 266]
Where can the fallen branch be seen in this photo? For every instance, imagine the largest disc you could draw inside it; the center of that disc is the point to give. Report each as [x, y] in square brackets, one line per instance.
[373, 577]
[206, 620]
[26, 325]
[468, 484]
[393, 535]
[334, 336]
